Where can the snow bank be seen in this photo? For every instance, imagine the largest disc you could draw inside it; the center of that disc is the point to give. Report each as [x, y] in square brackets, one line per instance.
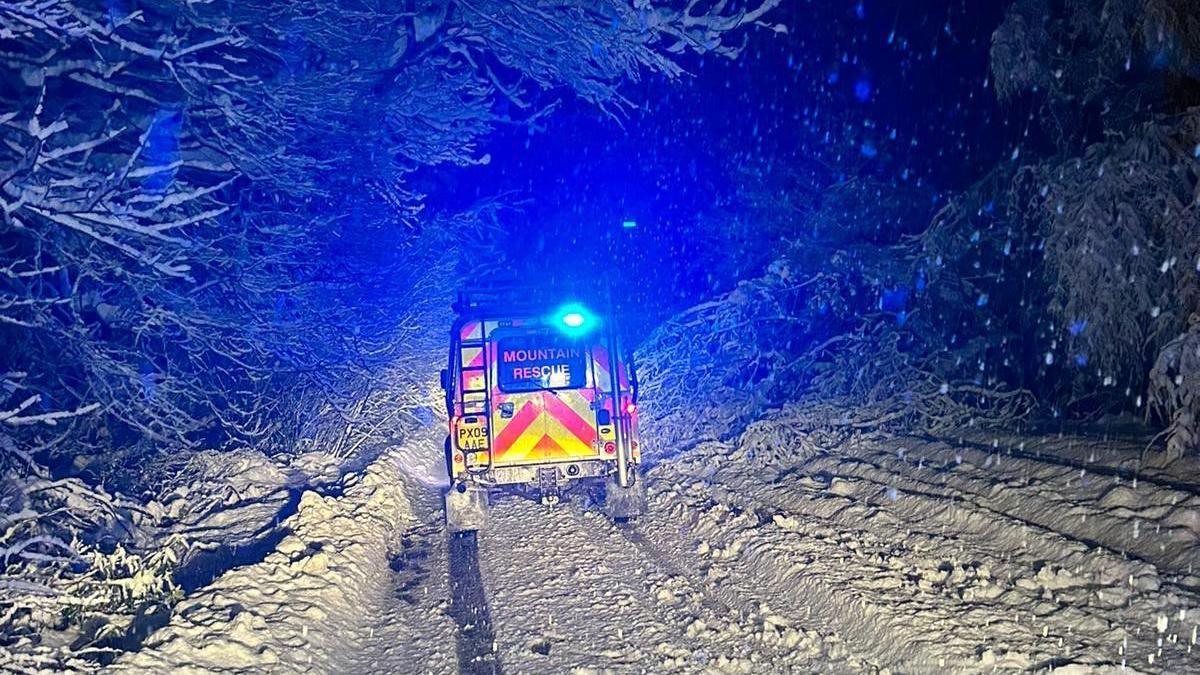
[216, 498]
[301, 608]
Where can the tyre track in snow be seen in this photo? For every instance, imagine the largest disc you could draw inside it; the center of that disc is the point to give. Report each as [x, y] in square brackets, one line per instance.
[437, 619]
[852, 544]
[1053, 454]
[1071, 527]
[856, 561]
[475, 639]
[1062, 495]
[758, 600]
[571, 592]
[1138, 583]
[969, 508]
[868, 585]
[743, 554]
[1049, 532]
[705, 593]
[411, 630]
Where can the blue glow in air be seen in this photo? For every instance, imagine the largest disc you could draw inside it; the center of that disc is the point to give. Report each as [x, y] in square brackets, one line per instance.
[161, 150]
[862, 90]
[574, 319]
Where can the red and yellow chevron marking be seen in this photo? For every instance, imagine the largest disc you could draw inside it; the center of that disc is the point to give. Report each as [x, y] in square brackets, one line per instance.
[546, 426]
[472, 357]
[472, 330]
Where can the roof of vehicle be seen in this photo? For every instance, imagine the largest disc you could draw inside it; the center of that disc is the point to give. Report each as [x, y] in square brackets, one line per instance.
[513, 300]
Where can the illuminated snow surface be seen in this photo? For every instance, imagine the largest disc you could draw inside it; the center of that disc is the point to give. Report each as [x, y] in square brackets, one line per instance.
[898, 555]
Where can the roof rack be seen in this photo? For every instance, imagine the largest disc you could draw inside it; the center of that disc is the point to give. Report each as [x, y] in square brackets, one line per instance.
[519, 298]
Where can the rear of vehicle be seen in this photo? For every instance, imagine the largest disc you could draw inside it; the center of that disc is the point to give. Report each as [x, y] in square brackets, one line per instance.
[541, 400]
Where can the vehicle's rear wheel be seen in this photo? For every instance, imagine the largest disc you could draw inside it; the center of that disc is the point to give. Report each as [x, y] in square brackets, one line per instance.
[625, 503]
[466, 508]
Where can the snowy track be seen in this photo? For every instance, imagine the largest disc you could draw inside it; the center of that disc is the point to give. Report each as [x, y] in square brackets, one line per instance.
[964, 559]
[908, 555]
[476, 643]
[570, 591]
[904, 555]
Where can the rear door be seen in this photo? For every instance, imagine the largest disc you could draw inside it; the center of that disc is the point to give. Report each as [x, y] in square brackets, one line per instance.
[541, 401]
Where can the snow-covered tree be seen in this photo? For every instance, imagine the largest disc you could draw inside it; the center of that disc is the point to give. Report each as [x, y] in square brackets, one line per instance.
[1090, 249]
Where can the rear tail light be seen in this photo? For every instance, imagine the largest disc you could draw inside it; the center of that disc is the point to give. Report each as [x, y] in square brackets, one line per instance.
[610, 448]
[630, 408]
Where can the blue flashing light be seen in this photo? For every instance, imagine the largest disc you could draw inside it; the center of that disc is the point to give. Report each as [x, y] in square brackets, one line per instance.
[629, 223]
[574, 319]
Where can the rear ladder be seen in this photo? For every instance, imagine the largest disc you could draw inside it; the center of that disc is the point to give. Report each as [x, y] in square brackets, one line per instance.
[481, 407]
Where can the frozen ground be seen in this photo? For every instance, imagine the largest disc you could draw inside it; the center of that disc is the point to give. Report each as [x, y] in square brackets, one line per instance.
[979, 554]
[340, 593]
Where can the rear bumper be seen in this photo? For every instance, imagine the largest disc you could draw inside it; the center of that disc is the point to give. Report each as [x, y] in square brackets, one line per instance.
[528, 473]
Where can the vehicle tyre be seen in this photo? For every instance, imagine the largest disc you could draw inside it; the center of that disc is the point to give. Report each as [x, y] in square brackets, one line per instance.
[466, 508]
[624, 503]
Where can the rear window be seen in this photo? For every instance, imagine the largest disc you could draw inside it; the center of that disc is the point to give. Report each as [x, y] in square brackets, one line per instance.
[540, 361]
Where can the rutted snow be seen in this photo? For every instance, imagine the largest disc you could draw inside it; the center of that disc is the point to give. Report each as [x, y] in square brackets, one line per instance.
[570, 592]
[314, 604]
[1000, 561]
[892, 554]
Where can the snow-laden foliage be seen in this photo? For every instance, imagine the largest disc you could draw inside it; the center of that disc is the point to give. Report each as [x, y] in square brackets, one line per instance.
[148, 170]
[1104, 232]
[64, 563]
[1122, 255]
[622, 39]
[849, 333]
[1084, 267]
[1175, 389]
[1090, 57]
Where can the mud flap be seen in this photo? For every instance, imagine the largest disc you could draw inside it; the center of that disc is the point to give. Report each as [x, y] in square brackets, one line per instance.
[466, 508]
[624, 503]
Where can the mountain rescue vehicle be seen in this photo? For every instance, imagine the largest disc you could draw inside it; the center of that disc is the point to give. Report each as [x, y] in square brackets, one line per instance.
[541, 399]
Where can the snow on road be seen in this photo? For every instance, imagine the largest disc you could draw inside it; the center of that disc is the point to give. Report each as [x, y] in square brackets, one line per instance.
[572, 592]
[890, 555]
[928, 557]
[337, 595]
